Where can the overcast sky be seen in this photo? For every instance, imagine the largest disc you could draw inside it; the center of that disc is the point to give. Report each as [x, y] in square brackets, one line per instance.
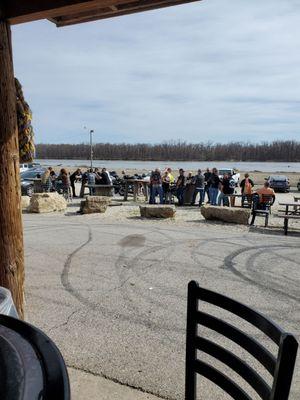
[215, 70]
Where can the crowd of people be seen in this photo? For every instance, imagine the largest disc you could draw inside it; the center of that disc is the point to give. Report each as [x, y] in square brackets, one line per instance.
[64, 182]
[189, 189]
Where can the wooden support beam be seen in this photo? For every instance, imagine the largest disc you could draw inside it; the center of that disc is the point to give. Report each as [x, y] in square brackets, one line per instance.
[11, 230]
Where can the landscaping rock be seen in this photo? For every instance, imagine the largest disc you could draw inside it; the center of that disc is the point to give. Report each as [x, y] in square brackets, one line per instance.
[226, 214]
[25, 201]
[94, 204]
[47, 202]
[157, 211]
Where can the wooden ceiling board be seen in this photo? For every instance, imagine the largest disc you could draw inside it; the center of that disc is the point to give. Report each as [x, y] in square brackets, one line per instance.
[117, 11]
[69, 12]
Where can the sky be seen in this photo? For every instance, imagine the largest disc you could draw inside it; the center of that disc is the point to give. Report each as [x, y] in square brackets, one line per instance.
[214, 70]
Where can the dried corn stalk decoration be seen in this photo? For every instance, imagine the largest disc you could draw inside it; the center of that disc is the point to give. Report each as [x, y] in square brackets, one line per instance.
[26, 135]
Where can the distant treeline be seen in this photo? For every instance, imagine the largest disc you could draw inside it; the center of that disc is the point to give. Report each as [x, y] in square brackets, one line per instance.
[286, 151]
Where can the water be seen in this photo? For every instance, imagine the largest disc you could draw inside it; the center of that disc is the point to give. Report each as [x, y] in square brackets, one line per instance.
[186, 165]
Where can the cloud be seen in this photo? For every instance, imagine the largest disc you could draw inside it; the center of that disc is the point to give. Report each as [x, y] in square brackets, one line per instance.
[206, 70]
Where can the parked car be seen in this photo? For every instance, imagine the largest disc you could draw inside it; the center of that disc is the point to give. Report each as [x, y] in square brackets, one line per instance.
[27, 166]
[280, 183]
[230, 171]
[27, 180]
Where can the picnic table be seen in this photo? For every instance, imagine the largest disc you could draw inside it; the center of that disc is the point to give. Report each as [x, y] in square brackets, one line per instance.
[136, 183]
[102, 190]
[291, 211]
[232, 198]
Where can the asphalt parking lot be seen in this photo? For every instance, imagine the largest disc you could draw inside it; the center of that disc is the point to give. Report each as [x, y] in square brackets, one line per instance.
[112, 293]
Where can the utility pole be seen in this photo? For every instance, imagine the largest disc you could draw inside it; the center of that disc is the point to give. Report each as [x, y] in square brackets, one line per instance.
[91, 146]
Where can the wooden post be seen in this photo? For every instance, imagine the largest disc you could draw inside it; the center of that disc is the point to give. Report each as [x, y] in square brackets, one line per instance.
[11, 230]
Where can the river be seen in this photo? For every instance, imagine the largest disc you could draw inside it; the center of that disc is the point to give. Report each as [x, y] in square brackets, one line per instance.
[187, 165]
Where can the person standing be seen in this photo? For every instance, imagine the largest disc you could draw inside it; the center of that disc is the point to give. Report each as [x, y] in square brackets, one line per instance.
[246, 189]
[180, 187]
[53, 177]
[215, 183]
[207, 175]
[226, 190]
[84, 180]
[166, 187]
[91, 180]
[171, 177]
[199, 182]
[156, 186]
[189, 189]
[105, 177]
[46, 180]
[65, 182]
[73, 177]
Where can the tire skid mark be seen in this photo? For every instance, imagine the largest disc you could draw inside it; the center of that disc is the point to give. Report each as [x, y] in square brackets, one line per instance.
[137, 319]
[66, 271]
[229, 264]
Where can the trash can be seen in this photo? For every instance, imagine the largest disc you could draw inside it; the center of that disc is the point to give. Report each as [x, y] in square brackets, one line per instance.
[7, 306]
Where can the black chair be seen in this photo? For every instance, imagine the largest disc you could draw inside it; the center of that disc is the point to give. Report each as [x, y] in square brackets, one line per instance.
[261, 207]
[31, 366]
[281, 367]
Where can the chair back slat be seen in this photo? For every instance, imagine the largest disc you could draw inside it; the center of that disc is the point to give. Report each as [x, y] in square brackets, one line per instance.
[239, 337]
[266, 198]
[220, 379]
[255, 318]
[285, 367]
[281, 368]
[237, 364]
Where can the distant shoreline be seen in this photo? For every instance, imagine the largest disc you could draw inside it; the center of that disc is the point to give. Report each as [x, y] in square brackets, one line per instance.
[179, 160]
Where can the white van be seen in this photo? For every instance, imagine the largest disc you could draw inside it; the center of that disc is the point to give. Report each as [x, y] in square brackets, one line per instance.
[27, 166]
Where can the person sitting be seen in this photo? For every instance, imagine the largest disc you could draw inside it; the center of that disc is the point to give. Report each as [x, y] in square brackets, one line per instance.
[258, 196]
[156, 186]
[102, 177]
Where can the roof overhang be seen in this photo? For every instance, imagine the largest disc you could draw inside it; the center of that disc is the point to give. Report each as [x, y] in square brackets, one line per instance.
[69, 12]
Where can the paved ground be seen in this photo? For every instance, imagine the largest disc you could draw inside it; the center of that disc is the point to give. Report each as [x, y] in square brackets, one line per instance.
[111, 292]
[89, 386]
